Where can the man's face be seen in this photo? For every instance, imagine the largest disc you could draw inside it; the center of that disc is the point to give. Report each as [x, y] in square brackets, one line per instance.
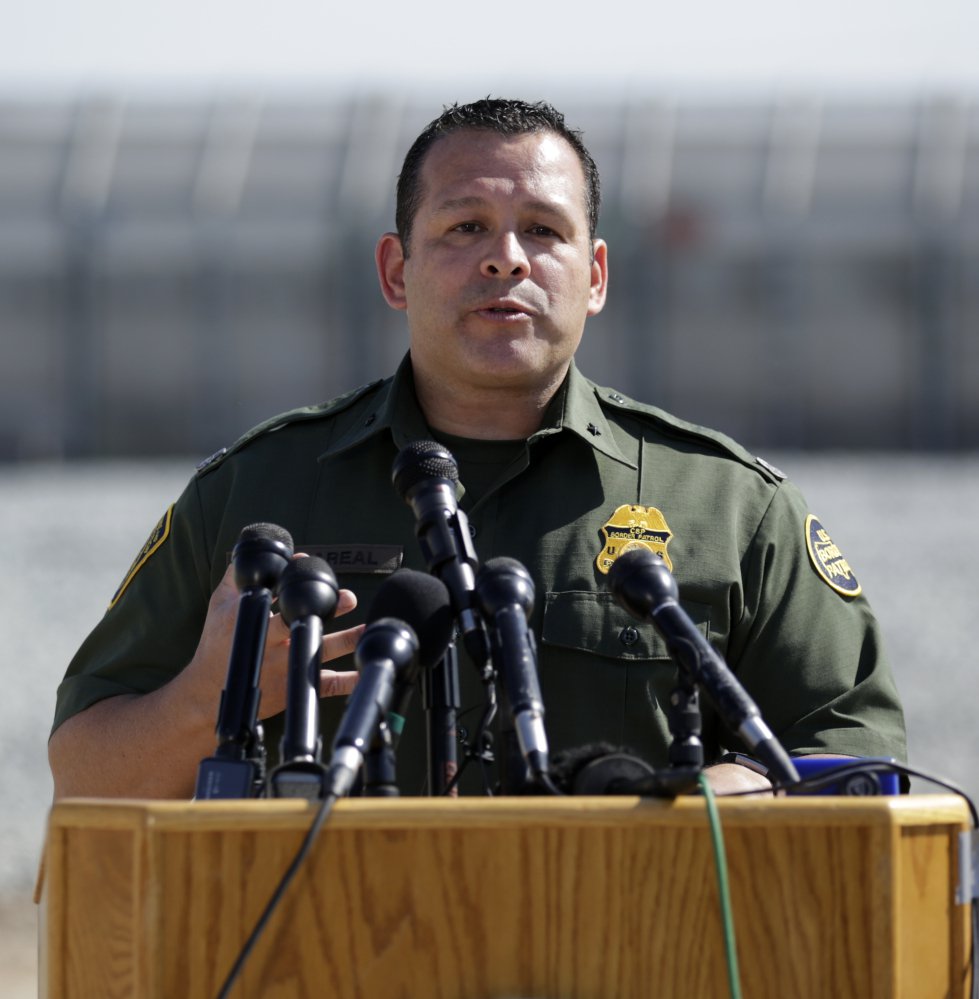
[501, 273]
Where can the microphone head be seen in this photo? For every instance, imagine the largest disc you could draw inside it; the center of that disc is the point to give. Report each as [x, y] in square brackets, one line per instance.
[423, 461]
[422, 602]
[307, 588]
[597, 768]
[260, 555]
[502, 582]
[640, 582]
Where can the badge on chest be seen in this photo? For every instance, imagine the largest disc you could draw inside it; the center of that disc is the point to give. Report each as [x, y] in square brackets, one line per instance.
[634, 527]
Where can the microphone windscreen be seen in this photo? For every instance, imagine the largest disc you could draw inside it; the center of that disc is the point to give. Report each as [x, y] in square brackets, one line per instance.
[640, 581]
[596, 768]
[308, 567]
[307, 588]
[422, 602]
[421, 461]
[266, 532]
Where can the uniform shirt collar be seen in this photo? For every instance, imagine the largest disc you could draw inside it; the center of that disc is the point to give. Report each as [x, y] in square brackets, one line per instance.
[394, 408]
[576, 408]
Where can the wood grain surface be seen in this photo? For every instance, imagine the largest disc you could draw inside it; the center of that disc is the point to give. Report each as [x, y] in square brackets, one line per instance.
[475, 899]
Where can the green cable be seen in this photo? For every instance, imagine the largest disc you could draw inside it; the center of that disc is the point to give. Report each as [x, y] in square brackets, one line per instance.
[723, 887]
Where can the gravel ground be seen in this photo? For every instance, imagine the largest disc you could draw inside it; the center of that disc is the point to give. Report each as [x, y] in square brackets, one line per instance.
[907, 525]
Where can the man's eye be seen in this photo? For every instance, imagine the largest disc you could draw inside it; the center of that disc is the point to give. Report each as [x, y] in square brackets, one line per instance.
[466, 227]
[542, 230]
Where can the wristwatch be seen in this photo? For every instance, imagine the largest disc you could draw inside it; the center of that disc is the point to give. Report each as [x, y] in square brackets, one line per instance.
[745, 761]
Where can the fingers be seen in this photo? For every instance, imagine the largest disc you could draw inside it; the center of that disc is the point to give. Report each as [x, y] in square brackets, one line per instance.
[337, 684]
[346, 602]
[341, 643]
[279, 631]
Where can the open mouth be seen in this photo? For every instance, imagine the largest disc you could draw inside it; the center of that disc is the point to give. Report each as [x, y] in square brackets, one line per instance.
[503, 311]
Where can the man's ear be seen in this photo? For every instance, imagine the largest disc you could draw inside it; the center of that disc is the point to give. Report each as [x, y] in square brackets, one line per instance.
[599, 277]
[390, 261]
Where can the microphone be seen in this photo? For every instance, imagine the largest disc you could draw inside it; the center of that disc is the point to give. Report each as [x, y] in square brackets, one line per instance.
[426, 475]
[422, 602]
[505, 595]
[307, 597]
[643, 586]
[235, 771]
[603, 769]
[598, 769]
[386, 648]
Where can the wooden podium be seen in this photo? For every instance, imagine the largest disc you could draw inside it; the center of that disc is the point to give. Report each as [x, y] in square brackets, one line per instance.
[578, 898]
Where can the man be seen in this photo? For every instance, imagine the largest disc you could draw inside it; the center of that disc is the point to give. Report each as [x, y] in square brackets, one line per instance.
[497, 265]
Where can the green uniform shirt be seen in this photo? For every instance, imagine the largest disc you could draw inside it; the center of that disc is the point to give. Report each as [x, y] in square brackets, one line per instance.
[760, 577]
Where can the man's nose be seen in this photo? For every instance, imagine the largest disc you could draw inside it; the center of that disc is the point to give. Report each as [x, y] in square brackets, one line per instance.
[506, 257]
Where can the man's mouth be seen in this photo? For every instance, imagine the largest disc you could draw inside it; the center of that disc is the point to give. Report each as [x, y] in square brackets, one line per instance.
[504, 310]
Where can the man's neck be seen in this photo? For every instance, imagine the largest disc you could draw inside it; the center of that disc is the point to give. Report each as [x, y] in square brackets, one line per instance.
[498, 413]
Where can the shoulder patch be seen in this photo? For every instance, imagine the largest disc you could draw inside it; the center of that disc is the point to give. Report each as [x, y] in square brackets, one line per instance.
[828, 560]
[158, 535]
[304, 413]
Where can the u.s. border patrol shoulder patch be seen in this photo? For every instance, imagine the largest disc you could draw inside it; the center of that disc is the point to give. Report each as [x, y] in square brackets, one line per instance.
[828, 560]
[158, 535]
[634, 527]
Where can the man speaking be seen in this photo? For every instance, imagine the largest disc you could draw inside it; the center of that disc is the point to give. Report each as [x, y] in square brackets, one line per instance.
[497, 265]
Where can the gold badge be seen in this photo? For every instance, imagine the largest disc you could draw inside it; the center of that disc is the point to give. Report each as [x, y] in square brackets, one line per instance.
[159, 534]
[634, 527]
[828, 560]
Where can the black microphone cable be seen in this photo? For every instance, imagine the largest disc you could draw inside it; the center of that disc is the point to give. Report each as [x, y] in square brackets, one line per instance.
[322, 814]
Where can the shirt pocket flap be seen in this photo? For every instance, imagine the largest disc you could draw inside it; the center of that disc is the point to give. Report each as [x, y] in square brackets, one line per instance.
[594, 622]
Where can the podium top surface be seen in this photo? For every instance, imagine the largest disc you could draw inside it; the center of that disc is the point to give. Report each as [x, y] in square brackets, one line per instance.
[911, 810]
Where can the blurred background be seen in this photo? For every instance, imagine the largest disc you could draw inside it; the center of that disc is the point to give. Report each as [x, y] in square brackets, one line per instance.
[189, 200]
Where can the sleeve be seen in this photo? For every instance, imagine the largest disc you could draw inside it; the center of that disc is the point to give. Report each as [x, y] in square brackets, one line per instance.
[153, 624]
[810, 654]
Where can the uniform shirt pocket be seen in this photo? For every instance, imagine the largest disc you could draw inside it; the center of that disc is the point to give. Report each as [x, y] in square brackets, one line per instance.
[594, 622]
[607, 677]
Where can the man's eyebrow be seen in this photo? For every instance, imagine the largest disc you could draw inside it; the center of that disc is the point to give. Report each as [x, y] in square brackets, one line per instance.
[473, 201]
[468, 201]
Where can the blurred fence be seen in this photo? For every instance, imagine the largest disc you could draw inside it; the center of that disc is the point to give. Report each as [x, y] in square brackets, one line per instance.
[800, 273]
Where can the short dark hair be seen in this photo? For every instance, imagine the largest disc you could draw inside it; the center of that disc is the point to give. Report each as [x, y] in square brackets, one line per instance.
[505, 117]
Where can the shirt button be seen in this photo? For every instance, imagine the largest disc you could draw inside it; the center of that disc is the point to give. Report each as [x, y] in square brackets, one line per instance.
[629, 635]
[472, 530]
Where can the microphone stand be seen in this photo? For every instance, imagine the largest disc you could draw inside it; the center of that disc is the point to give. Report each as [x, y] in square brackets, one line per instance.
[379, 778]
[441, 699]
[686, 752]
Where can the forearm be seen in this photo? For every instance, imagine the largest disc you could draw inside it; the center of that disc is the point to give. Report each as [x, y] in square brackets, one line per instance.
[731, 778]
[133, 746]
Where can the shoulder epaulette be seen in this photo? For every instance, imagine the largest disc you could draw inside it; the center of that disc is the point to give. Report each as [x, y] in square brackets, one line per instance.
[675, 427]
[300, 415]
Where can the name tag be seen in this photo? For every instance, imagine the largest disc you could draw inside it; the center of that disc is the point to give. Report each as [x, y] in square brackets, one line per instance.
[368, 559]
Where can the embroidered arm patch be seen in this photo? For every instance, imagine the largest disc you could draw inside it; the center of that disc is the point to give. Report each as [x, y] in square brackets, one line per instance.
[828, 560]
[158, 535]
